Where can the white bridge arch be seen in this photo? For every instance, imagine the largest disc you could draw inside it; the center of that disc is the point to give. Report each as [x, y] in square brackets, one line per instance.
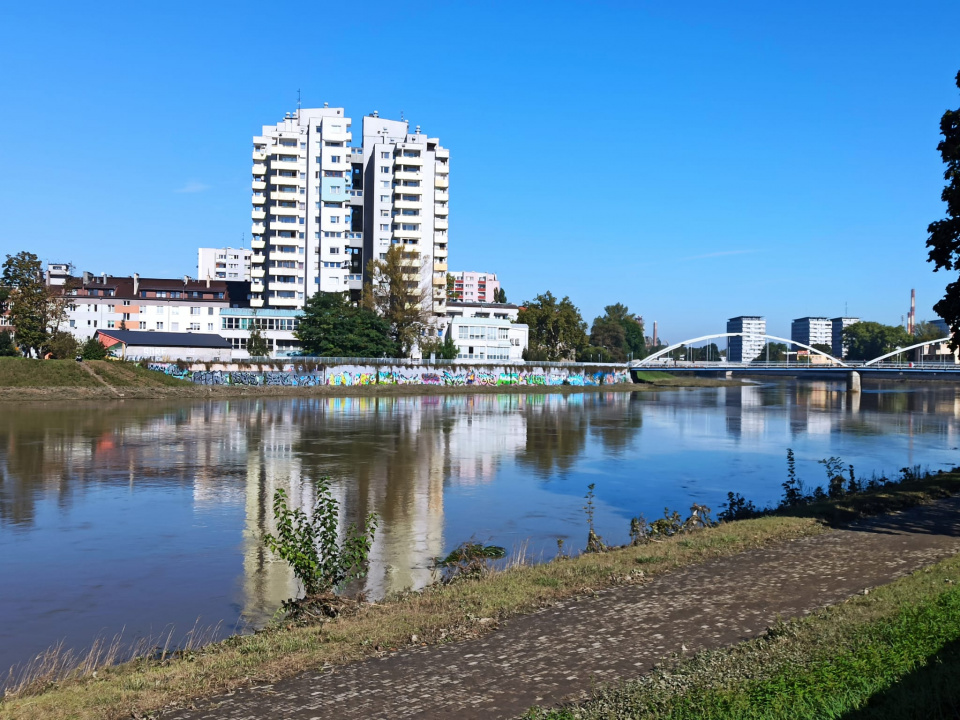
[903, 350]
[743, 334]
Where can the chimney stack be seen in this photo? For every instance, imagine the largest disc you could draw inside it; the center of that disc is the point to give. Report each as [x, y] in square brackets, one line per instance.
[208, 280]
[912, 318]
[185, 279]
[654, 333]
[136, 284]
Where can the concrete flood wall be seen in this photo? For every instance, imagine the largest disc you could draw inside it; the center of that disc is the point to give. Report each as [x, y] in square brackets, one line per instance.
[310, 375]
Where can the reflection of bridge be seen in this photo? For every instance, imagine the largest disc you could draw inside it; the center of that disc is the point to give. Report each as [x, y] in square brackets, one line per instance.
[832, 367]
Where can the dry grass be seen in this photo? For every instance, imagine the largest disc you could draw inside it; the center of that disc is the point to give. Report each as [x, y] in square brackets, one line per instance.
[27, 373]
[436, 615]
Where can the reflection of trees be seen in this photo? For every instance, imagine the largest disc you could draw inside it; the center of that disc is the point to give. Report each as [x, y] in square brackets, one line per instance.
[615, 419]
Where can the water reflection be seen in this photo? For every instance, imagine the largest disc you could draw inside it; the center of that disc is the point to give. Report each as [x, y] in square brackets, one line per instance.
[141, 514]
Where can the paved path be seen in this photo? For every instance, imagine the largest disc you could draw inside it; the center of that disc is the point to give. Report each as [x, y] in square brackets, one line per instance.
[558, 652]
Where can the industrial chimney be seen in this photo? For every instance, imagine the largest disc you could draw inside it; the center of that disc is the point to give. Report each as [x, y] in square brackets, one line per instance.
[912, 317]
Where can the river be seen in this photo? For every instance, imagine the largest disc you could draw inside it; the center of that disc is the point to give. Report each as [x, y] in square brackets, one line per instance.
[141, 516]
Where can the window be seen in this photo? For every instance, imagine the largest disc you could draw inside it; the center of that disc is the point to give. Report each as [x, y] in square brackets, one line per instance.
[384, 170]
[143, 325]
[194, 326]
[385, 155]
[73, 323]
[194, 311]
[209, 327]
[175, 327]
[335, 158]
[126, 316]
[384, 227]
[209, 311]
[126, 302]
[384, 213]
[111, 323]
[334, 251]
[159, 326]
[110, 308]
[335, 219]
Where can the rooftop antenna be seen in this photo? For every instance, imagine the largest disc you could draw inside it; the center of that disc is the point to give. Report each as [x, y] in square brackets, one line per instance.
[243, 240]
[846, 312]
[298, 101]
[401, 116]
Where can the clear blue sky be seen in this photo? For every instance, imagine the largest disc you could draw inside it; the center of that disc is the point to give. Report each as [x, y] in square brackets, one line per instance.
[693, 160]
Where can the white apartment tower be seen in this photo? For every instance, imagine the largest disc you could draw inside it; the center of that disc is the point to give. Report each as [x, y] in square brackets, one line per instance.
[323, 208]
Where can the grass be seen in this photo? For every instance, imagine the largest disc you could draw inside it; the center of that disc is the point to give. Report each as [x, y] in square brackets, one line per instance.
[892, 653]
[436, 615]
[26, 373]
[128, 374]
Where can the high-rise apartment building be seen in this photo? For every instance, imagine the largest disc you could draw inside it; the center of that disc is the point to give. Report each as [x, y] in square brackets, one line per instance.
[323, 208]
[475, 286]
[744, 348]
[812, 331]
[224, 264]
[837, 326]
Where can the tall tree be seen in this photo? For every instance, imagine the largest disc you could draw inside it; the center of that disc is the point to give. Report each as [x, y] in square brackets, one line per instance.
[944, 240]
[394, 292]
[619, 332]
[451, 287]
[867, 340]
[557, 329]
[35, 310]
[256, 343]
[331, 326]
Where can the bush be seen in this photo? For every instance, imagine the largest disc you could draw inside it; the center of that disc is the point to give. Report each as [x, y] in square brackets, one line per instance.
[93, 349]
[309, 543]
[63, 346]
[7, 348]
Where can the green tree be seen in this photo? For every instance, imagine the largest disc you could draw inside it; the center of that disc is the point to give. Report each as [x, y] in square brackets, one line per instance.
[500, 296]
[925, 331]
[441, 348]
[35, 311]
[331, 326]
[619, 332]
[62, 345]
[557, 329]
[451, 287]
[7, 348]
[93, 349]
[944, 239]
[867, 340]
[256, 343]
[823, 347]
[774, 351]
[394, 292]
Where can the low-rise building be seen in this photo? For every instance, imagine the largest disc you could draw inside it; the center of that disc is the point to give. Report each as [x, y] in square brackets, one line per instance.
[165, 346]
[277, 326]
[485, 331]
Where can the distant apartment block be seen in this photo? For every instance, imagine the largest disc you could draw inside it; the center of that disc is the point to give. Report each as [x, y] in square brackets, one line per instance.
[837, 326]
[812, 331]
[475, 286]
[224, 263]
[323, 208]
[57, 273]
[744, 348]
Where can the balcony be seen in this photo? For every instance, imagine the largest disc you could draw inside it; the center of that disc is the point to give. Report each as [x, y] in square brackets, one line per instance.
[256, 302]
[258, 245]
[443, 153]
[258, 229]
[408, 204]
[258, 214]
[258, 185]
[406, 233]
[279, 225]
[402, 175]
[258, 199]
[259, 169]
[440, 224]
[257, 272]
[408, 161]
[439, 266]
[441, 196]
[258, 258]
[441, 210]
[279, 210]
[441, 168]
[285, 196]
[280, 165]
[441, 181]
[285, 271]
[259, 156]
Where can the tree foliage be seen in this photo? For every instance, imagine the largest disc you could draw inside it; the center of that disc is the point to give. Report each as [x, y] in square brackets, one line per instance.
[944, 239]
[35, 311]
[61, 345]
[7, 348]
[441, 348]
[93, 349]
[619, 333]
[331, 326]
[557, 330]
[256, 343]
[500, 295]
[394, 292]
[867, 340]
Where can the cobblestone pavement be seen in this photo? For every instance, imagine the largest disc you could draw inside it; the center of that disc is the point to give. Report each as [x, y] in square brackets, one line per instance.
[559, 652]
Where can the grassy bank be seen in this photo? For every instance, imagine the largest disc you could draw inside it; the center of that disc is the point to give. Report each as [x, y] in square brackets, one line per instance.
[894, 653]
[436, 615]
[23, 379]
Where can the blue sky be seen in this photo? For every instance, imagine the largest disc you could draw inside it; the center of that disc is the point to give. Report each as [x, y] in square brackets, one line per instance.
[693, 160]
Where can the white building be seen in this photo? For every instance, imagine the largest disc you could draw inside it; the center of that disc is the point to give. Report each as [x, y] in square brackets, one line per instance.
[812, 331]
[744, 348]
[475, 286]
[276, 326]
[323, 208]
[485, 331]
[224, 263]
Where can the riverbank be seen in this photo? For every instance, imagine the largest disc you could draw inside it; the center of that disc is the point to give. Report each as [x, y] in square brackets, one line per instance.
[438, 615]
[56, 380]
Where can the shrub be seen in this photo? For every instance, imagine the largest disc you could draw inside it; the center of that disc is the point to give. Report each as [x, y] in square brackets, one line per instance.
[309, 543]
[93, 349]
